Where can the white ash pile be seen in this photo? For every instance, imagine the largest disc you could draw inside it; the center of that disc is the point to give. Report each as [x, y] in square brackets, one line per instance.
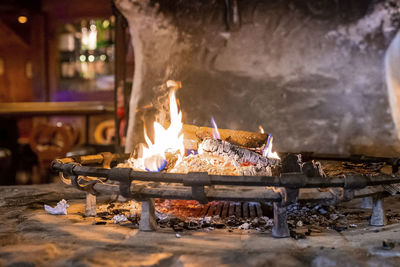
[219, 165]
[223, 158]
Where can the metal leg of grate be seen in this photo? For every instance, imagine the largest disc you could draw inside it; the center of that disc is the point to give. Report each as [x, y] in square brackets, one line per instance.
[378, 217]
[90, 206]
[280, 228]
[148, 217]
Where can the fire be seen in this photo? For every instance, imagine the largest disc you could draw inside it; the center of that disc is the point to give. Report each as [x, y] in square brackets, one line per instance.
[267, 152]
[261, 129]
[170, 140]
[215, 132]
[165, 140]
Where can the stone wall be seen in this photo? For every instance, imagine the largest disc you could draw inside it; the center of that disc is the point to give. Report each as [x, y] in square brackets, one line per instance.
[312, 75]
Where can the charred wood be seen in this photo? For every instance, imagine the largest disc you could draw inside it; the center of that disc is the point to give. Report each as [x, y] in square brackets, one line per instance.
[238, 154]
[194, 135]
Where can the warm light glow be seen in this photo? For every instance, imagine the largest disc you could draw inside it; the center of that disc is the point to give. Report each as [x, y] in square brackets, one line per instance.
[215, 132]
[91, 58]
[1, 66]
[92, 39]
[82, 58]
[89, 37]
[165, 140]
[106, 23]
[267, 152]
[261, 129]
[22, 19]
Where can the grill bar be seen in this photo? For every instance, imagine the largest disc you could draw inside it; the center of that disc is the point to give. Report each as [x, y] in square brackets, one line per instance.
[289, 180]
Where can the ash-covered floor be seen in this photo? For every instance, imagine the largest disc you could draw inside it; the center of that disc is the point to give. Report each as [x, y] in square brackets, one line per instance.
[29, 236]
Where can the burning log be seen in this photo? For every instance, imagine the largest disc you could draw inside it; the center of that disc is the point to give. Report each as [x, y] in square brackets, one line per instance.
[239, 155]
[193, 135]
[219, 165]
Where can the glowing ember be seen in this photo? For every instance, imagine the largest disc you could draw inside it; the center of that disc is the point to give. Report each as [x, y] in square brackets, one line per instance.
[215, 134]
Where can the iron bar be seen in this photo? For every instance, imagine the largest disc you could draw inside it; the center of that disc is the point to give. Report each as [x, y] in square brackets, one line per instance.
[306, 156]
[292, 180]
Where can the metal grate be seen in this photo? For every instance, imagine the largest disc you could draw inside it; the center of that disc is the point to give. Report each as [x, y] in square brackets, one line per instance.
[225, 209]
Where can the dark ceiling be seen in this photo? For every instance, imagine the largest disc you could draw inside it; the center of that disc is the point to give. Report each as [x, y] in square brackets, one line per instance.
[18, 5]
[10, 10]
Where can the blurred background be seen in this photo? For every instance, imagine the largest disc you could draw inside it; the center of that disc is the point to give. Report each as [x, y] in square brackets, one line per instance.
[59, 86]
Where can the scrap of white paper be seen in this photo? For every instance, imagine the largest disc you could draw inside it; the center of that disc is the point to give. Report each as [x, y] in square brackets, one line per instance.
[119, 218]
[59, 209]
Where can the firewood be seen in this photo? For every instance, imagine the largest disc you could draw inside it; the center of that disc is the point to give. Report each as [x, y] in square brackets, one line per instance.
[193, 135]
[217, 164]
[238, 154]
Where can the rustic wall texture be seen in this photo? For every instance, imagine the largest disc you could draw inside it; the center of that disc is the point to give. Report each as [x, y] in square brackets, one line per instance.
[310, 72]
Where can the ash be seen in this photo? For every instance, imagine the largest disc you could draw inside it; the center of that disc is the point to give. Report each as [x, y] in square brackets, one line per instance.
[219, 165]
[182, 215]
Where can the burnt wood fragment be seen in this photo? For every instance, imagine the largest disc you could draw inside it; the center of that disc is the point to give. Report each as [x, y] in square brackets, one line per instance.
[239, 138]
[238, 154]
[313, 169]
[291, 163]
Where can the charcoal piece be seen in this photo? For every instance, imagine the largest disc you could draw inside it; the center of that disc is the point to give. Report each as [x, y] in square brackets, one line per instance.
[388, 244]
[291, 163]
[219, 225]
[193, 225]
[297, 235]
[178, 227]
[238, 154]
[313, 169]
[261, 222]
[100, 223]
[339, 228]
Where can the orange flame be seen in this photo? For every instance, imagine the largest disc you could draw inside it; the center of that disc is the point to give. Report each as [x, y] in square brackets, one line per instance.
[171, 139]
[267, 152]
